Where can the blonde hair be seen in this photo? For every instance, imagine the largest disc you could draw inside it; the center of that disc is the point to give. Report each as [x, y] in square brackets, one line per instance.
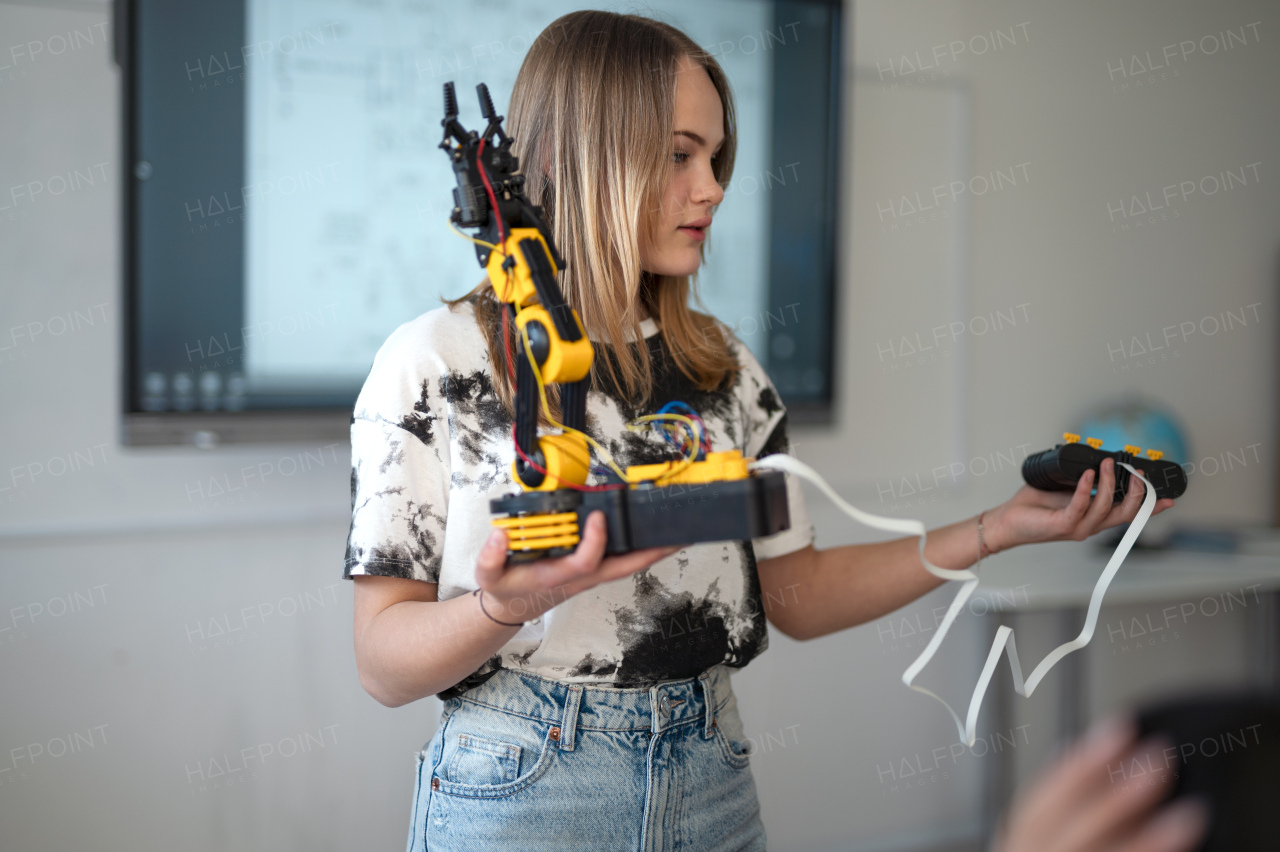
[591, 114]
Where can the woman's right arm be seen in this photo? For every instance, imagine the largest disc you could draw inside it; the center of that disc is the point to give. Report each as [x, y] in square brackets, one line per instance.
[410, 645]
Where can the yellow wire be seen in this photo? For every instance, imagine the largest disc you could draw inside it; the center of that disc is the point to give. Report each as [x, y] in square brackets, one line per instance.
[471, 238]
[695, 432]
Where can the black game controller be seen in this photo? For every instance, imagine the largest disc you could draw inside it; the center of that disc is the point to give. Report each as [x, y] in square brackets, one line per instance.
[1060, 469]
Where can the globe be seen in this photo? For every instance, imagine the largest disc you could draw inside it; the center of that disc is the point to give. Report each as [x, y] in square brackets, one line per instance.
[1138, 422]
[1145, 424]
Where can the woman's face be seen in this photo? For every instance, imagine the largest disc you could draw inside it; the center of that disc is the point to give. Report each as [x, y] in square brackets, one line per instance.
[680, 226]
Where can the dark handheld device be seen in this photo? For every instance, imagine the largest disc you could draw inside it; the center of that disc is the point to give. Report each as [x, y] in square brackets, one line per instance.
[1060, 469]
[1223, 748]
[707, 496]
[657, 516]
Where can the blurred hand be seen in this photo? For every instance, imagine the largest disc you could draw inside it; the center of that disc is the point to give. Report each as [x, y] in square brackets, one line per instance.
[1092, 800]
[525, 591]
[1032, 515]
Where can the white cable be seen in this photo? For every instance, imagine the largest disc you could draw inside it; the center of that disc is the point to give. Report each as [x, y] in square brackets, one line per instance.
[1004, 635]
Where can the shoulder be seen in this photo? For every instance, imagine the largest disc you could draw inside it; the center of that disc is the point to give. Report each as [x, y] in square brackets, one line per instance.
[409, 364]
[447, 334]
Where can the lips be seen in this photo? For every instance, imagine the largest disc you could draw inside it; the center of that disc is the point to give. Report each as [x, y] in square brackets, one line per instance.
[697, 228]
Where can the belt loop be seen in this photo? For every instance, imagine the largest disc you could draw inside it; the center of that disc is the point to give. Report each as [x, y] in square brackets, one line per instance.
[708, 703]
[569, 724]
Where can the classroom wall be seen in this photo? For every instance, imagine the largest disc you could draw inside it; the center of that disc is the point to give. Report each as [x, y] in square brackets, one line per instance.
[164, 631]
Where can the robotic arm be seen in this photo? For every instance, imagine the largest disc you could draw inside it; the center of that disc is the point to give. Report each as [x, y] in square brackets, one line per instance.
[648, 505]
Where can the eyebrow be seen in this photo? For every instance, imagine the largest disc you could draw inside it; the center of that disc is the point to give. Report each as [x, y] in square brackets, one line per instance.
[695, 137]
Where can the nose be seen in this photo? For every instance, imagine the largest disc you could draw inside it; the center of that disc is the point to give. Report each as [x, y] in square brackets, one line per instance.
[708, 189]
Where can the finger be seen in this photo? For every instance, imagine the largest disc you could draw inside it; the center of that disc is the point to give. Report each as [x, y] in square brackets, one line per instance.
[544, 575]
[1128, 508]
[1074, 511]
[584, 559]
[1113, 810]
[582, 569]
[591, 548]
[551, 573]
[617, 567]
[1101, 505]
[492, 561]
[1178, 828]
[1084, 768]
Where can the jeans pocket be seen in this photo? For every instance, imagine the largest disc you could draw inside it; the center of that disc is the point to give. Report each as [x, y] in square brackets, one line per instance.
[736, 752]
[490, 755]
[478, 761]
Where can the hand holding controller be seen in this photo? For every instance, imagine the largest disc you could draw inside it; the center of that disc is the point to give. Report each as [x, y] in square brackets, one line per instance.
[1060, 469]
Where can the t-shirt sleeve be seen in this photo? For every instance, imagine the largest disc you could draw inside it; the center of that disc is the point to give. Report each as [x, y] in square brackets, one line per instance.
[399, 471]
[765, 433]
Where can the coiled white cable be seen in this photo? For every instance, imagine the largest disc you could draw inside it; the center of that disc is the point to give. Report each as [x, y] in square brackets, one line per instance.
[1004, 635]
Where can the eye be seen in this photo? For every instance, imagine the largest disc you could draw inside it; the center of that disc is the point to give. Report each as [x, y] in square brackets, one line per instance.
[681, 156]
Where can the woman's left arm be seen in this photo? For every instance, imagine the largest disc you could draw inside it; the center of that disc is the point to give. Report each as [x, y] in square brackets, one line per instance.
[811, 593]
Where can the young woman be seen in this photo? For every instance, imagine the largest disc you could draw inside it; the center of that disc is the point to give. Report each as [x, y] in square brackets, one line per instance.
[587, 701]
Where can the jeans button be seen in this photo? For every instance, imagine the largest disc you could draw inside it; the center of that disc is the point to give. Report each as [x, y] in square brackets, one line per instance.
[665, 705]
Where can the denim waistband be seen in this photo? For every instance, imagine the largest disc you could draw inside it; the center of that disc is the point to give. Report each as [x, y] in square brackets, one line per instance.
[588, 707]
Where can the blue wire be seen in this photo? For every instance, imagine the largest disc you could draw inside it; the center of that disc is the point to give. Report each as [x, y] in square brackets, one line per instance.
[691, 411]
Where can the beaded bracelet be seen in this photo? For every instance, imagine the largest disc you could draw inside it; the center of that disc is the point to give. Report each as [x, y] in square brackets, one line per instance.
[982, 545]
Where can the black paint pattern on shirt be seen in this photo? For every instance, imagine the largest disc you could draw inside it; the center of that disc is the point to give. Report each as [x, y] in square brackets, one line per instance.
[673, 635]
[472, 394]
[479, 424]
[419, 421]
[397, 559]
[777, 442]
[395, 455]
[589, 665]
[769, 401]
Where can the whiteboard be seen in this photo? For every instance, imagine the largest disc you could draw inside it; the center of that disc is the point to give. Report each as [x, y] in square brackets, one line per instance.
[354, 199]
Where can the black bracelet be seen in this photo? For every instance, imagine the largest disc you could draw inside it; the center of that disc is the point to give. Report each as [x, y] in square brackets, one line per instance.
[480, 594]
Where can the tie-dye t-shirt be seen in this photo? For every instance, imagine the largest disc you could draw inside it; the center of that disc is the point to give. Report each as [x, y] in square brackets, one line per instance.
[431, 446]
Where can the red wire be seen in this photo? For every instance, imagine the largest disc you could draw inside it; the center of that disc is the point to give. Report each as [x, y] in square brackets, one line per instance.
[545, 472]
[493, 199]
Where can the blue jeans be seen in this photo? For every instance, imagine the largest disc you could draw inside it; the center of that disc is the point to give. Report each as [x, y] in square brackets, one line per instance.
[526, 763]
